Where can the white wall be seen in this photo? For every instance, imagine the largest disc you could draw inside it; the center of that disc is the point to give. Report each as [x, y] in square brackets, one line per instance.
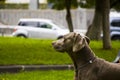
[79, 17]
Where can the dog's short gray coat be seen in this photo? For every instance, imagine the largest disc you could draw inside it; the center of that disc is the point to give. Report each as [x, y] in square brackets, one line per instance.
[87, 65]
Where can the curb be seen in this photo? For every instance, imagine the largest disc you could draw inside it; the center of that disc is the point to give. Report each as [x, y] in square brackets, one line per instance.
[18, 68]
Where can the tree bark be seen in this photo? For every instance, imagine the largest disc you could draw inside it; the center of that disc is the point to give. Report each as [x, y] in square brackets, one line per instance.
[105, 20]
[68, 15]
[113, 3]
[94, 30]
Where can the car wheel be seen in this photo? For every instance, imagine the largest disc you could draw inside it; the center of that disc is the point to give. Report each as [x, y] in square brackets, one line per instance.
[60, 37]
[22, 36]
[116, 38]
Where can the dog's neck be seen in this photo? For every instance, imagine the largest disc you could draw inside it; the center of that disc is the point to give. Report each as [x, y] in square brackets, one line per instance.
[83, 56]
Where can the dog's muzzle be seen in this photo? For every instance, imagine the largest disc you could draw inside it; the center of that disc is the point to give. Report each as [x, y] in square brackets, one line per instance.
[57, 47]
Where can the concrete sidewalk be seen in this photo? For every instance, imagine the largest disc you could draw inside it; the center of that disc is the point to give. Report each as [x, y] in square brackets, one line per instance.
[17, 68]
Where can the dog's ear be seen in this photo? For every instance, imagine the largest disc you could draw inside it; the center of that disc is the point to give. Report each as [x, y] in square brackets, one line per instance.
[79, 42]
[87, 39]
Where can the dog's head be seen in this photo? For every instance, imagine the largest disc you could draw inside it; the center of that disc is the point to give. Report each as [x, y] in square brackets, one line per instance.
[72, 41]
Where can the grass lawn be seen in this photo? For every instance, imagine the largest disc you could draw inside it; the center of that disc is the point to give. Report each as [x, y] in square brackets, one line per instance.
[108, 55]
[35, 51]
[39, 75]
[29, 51]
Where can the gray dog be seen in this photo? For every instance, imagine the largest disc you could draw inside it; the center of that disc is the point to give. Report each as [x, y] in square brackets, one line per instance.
[87, 65]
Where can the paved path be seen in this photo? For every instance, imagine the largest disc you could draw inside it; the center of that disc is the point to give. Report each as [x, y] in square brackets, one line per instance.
[17, 68]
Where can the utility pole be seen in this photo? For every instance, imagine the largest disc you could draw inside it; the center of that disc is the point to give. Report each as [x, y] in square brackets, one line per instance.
[34, 4]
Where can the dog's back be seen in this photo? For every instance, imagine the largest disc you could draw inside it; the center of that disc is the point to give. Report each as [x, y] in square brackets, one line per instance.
[103, 70]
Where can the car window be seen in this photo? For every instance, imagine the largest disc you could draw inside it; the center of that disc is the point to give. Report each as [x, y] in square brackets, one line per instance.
[29, 23]
[115, 23]
[45, 25]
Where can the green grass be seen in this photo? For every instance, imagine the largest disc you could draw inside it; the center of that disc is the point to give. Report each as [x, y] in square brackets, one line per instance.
[108, 55]
[29, 51]
[34, 51]
[39, 75]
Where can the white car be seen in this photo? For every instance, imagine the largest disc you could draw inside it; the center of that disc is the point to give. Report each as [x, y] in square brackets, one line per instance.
[38, 28]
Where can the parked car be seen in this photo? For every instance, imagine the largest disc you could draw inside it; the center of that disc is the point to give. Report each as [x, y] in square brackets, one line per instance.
[38, 28]
[115, 28]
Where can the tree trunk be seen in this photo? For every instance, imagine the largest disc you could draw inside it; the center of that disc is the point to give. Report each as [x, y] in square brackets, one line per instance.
[106, 29]
[68, 15]
[94, 29]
